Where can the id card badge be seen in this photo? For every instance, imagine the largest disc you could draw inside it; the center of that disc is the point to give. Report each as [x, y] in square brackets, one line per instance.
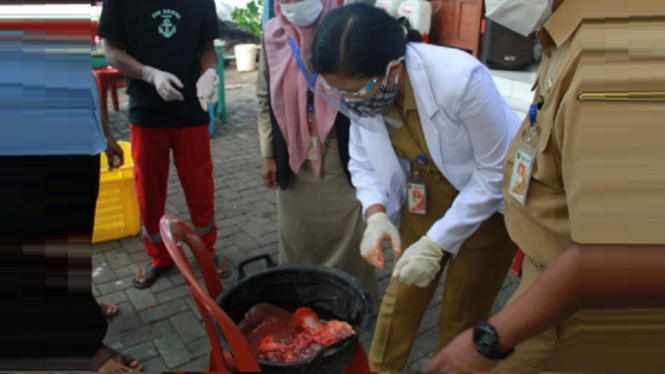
[417, 196]
[522, 169]
[313, 149]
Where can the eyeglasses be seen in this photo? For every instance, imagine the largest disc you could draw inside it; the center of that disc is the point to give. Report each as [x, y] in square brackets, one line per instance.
[367, 88]
[361, 92]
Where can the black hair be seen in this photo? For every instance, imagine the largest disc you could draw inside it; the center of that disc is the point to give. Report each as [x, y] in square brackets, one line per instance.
[360, 40]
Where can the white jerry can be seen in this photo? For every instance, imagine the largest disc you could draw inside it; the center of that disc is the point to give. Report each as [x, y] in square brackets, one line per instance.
[390, 6]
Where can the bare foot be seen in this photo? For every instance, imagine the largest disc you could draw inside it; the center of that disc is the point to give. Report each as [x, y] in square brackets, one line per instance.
[108, 360]
[108, 309]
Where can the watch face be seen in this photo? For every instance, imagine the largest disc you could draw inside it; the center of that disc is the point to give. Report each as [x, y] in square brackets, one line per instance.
[486, 342]
[484, 339]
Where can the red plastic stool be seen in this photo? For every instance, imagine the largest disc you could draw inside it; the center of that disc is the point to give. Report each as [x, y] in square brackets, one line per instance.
[108, 78]
[516, 269]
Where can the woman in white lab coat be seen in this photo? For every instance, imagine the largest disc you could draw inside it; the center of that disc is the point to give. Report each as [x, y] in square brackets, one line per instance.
[428, 139]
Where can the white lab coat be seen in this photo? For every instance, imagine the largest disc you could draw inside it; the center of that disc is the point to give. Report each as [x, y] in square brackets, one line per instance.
[468, 127]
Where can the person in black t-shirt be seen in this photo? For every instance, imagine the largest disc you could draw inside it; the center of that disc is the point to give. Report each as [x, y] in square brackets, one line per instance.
[166, 48]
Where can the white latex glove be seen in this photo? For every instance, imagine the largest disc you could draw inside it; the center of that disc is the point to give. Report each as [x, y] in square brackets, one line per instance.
[419, 264]
[163, 82]
[379, 229]
[206, 88]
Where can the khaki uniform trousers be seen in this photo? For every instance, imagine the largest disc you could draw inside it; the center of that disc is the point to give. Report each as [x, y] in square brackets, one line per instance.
[607, 341]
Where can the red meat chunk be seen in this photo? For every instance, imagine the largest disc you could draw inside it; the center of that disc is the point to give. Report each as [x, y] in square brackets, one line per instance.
[338, 330]
[286, 338]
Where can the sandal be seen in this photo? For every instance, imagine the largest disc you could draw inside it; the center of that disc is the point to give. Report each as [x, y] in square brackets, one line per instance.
[108, 360]
[223, 268]
[149, 276]
[109, 310]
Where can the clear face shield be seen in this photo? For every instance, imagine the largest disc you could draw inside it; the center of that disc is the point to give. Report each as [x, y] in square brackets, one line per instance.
[337, 100]
[343, 100]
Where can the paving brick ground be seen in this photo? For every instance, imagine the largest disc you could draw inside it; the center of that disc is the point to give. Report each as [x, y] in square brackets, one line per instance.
[161, 325]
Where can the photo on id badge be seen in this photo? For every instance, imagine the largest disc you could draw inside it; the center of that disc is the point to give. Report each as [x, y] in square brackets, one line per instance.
[521, 175]
[417, 198]
[313, 150]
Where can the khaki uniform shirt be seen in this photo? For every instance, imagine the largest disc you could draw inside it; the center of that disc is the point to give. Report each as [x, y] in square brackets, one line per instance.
[599, 174]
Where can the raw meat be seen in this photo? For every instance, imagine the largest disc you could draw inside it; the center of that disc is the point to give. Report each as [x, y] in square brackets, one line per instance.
[263, 320]
[278, 336]
[307, 319]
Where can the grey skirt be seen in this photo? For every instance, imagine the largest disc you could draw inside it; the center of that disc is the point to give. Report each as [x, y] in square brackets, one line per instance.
[320, 221]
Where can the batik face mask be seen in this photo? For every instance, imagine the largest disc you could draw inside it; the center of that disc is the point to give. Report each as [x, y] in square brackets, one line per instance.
[375, 104]
[379, 101]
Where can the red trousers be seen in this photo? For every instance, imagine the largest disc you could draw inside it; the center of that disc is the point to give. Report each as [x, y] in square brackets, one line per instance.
[151, 149]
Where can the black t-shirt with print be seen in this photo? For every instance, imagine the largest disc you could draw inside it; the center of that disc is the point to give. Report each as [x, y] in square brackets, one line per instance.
[167, 35]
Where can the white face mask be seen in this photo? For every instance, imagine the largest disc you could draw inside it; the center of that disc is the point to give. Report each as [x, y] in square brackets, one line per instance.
[302, 13]
[522, 16]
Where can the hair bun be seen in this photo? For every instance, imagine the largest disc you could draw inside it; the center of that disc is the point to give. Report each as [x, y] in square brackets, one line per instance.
[410, 34]
[405, 23]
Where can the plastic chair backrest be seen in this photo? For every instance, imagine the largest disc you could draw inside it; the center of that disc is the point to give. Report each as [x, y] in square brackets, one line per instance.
[174, 232]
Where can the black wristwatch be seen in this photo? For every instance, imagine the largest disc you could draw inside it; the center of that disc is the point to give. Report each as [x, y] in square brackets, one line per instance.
[487, 342]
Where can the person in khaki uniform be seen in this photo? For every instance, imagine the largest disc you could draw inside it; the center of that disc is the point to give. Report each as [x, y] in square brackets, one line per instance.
[584, 183]
[428, 138]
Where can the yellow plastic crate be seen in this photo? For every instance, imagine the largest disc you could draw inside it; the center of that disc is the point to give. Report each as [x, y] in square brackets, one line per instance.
[117, 214]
